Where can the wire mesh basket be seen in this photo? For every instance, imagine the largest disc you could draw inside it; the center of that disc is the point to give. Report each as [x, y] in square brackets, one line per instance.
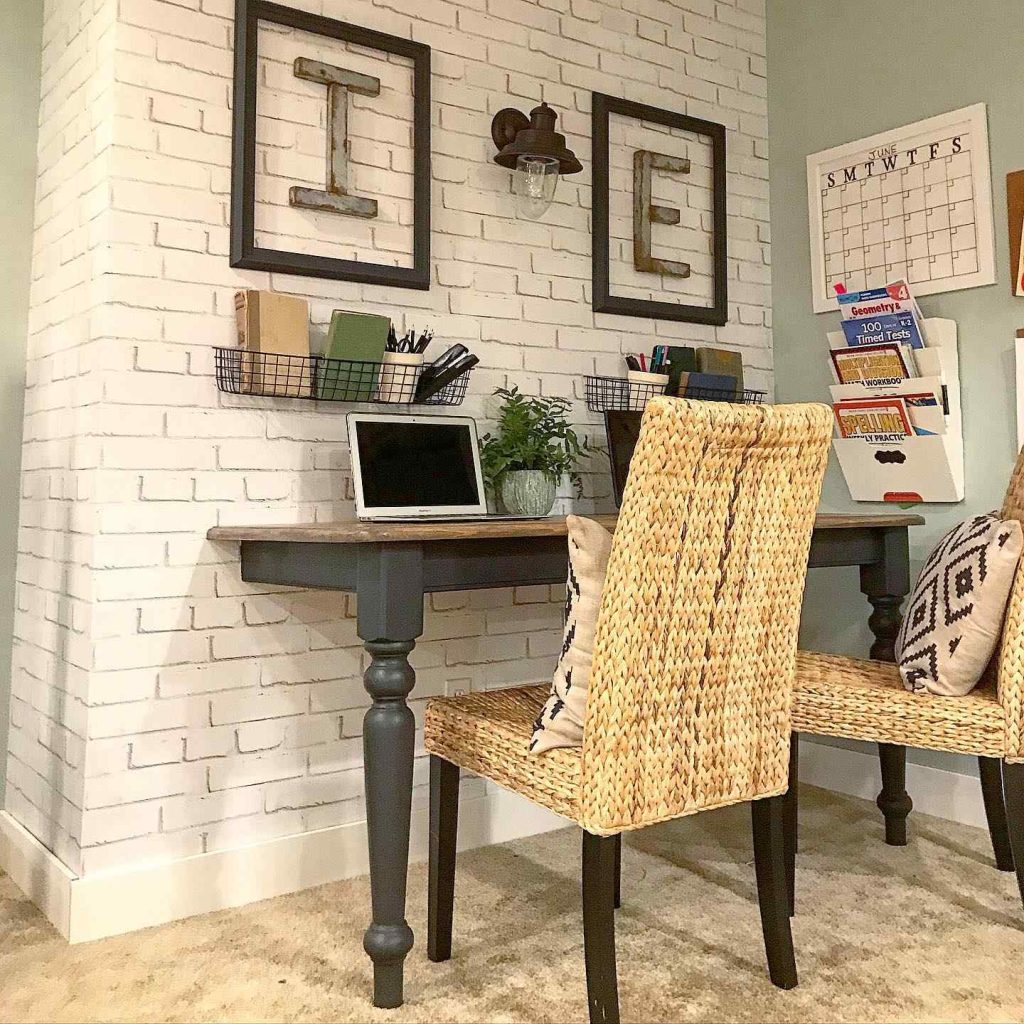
[607, 393]
[316, 378]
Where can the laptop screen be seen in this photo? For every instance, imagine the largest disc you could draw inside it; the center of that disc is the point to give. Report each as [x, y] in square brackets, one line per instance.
[406, 463]
[623, 430]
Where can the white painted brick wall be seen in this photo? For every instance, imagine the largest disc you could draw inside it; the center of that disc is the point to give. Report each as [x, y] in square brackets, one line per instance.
[161, 706]
[52, 657]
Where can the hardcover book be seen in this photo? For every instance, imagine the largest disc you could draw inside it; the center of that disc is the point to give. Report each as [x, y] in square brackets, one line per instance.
[357, 341]
[722, 362]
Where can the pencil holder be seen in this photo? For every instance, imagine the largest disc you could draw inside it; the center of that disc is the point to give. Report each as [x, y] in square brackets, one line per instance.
[644, 386]
[399, 375]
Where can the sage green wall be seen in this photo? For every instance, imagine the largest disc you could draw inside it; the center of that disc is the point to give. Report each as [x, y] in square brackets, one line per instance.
[21, 24]
[840, 70]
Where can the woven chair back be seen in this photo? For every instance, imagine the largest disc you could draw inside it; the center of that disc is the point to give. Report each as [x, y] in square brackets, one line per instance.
[1011, 653]
[689, 703]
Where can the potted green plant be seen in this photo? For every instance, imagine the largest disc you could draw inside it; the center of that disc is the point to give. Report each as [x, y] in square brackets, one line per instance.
[532, 447]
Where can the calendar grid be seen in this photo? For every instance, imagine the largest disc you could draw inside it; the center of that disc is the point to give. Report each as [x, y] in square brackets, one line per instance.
[907, 206]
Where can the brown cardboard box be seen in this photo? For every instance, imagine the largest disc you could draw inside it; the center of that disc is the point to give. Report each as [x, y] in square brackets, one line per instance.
[273, 330]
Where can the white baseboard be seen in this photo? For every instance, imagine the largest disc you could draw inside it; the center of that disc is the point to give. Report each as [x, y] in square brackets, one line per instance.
[115, 902]
[112, 903]
[943, 794]
[44, 879]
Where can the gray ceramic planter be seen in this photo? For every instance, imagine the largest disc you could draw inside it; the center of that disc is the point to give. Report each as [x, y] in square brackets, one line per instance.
[528, 492]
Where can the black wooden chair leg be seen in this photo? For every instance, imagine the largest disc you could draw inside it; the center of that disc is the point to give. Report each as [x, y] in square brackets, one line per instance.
[1013, 796]
[792, 819]
[894, 802]
[444, 821]
[770, 864]
[989, 770]
[599, 927]
[618, 871]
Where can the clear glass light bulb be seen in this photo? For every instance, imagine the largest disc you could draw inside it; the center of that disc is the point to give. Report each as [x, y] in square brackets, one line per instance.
[533, 182]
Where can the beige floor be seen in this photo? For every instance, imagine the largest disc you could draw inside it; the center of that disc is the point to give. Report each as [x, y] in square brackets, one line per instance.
[928, 933]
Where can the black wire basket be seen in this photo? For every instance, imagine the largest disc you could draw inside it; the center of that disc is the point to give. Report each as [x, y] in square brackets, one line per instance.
[316, 378]
[608, 393]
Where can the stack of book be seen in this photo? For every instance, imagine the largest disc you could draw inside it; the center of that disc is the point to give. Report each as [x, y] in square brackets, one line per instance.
[896, 399]
[888, 381]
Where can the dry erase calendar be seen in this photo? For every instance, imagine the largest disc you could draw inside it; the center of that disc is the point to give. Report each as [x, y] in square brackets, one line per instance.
[912, 203]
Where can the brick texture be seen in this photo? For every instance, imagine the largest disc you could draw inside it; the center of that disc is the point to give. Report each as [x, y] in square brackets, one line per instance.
[160, 706]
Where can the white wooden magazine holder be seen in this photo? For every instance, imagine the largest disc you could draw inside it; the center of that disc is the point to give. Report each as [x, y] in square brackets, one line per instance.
[923, 468]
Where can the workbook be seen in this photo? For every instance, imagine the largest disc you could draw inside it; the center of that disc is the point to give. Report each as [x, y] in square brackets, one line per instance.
[873, 364]
[890, 313]
[874, 419]
[901, 328]
[924, 397]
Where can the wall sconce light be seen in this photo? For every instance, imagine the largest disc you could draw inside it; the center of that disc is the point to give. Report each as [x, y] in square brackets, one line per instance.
[535, 153]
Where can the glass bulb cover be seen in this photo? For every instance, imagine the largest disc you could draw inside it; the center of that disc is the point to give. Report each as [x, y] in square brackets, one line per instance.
[534, 181]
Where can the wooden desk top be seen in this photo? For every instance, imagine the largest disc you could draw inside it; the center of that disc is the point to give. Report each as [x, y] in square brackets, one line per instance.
[351, 531]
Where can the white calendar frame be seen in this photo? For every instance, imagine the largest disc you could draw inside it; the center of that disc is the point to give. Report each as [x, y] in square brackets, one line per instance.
[857, 153]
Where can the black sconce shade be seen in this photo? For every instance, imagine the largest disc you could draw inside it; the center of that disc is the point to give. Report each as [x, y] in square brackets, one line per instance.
[517, 136]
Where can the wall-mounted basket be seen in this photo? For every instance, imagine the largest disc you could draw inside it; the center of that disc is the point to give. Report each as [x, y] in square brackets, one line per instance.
[315, 378]
[607, 393]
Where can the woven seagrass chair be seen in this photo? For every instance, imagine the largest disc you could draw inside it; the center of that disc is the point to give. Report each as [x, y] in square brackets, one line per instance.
[689, 702]
[865, 700]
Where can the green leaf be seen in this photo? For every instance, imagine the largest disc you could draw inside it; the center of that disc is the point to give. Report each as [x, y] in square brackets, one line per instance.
[532, 433]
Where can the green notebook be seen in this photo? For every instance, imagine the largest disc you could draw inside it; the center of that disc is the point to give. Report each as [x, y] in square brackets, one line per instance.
[354, 338]
[681, 359]
[722, 361]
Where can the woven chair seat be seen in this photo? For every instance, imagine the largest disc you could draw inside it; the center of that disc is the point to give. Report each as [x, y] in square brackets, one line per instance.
[488, 733]
[865, 700]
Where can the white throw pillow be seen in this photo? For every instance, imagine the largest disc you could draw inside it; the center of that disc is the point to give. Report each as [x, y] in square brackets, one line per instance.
[955, 614]
[560, 722]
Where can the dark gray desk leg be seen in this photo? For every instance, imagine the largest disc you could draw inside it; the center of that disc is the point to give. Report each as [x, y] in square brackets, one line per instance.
[886, 584]
[390, 618]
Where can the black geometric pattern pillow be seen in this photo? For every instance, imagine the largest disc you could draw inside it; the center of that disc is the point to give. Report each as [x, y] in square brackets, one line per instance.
[954, 616]
[560, 722]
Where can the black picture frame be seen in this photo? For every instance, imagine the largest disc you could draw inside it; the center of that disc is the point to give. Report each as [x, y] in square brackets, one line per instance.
[244, 251]
[604, 302]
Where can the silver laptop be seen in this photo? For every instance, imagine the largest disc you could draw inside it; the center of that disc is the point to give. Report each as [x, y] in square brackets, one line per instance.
[417, 467]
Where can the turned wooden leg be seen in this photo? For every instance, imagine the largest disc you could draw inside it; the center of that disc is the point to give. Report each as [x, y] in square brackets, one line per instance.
[1013, 794]
[390, 618]
[894, 801]
[444, 822]
[599, 928]
[770, 864]
[885, 583]
[989, 769]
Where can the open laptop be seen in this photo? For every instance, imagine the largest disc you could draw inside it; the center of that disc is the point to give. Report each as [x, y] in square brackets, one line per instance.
[623, 431]
[417, 467]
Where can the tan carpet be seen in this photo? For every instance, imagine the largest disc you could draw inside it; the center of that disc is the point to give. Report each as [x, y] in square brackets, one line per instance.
[928, 933]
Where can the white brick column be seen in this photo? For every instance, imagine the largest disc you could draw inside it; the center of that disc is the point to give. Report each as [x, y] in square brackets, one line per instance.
[162, 708]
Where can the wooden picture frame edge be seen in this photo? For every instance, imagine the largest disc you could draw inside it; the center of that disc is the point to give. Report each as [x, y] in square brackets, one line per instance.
[717, 314]
[245, 254]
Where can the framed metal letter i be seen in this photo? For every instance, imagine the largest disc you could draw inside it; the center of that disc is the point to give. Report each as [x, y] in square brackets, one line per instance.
[331, 151]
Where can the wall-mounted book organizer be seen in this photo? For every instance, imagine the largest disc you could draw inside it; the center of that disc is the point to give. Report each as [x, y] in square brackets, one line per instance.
[315, 378]
[604, 394]
[915, 469]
